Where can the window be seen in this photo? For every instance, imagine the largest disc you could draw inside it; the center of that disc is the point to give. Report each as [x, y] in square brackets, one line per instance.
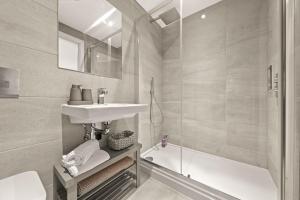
[71, 52]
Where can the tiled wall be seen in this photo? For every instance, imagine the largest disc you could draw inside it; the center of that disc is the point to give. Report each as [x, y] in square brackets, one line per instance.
[171, 84]
[224, 59]
[145, 38]
[274, 59]
[150, 66]
[33, 134]
[30, 135]
[296, 194]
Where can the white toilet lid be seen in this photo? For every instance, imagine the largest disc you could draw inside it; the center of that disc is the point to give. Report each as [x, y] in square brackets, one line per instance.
[24, 186]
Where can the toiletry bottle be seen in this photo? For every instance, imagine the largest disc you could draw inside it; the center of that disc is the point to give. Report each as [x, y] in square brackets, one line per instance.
[164, 141]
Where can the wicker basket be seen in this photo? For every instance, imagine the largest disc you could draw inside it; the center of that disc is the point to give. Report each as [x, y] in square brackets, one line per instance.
[119, 141]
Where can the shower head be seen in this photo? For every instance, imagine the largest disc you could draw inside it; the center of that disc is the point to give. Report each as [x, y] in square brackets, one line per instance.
[168, 17]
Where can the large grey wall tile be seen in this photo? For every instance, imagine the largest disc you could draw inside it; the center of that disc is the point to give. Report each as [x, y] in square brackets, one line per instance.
[172, 71]
[203, 135]
[171, 41]
[28, 121]
[145, 138]
[194, 91]
[242, 87]
[206, 107]
[72, 134]
[246, 19]
[205, 64]
[129, 61]
[245, 155]
[273, 104]
[51, 4]
[246, 136]
[172, 121]
[39, 73]
[171, 92]
[247, 110]
[251, 53]
[206, 73]
[30, 25]
[149, 58]
[39, 157]
[221, 79]
[203, 37]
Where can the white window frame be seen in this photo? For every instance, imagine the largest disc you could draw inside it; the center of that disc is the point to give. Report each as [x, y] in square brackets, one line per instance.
[80, 43]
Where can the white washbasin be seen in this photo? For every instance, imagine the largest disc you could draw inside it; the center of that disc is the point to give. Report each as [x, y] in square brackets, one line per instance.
[101, 112]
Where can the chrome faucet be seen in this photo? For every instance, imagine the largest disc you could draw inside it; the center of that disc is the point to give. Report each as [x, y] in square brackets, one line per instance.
[91, 132]
[101, 94]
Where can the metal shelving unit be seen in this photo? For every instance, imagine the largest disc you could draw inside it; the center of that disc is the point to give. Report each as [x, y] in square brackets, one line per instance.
[115, 188]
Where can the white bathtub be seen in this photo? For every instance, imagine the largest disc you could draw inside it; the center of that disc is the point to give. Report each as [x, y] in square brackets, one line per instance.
[238, 179]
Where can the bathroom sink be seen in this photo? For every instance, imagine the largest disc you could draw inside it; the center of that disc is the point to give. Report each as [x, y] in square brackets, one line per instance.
[101, 112]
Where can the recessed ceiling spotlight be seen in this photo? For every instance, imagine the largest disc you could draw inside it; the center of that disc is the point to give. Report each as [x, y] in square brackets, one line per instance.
[203, 16]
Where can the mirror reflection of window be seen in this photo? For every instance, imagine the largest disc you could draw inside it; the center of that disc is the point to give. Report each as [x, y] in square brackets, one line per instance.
[71, 52]
[97, 24]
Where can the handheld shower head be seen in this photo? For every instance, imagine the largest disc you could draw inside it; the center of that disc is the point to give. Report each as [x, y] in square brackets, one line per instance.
[152, 87]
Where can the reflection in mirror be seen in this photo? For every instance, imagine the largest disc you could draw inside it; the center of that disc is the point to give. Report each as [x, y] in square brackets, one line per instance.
[90, 37]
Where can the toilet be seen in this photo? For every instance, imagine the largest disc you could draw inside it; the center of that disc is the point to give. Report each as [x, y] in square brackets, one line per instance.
[23, 186]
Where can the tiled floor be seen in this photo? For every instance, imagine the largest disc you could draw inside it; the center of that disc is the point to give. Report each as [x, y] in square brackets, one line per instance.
[155, 190]
[238, 179]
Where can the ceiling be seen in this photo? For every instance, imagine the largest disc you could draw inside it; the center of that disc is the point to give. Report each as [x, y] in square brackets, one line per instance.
[100, 19]
[96, 18]
[189, 7]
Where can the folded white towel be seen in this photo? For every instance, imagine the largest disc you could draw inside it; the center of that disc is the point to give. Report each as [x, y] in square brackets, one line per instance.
[81, 154]
[96, 159]
[69, 156]
[75, 161]
[73, 170]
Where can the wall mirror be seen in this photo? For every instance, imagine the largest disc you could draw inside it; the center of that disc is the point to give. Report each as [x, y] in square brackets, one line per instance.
[90, 37]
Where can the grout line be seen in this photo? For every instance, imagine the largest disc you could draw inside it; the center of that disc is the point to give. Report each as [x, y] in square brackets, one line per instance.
[259, 35]
[43, 97]
[42, 5]
[30, 146]
[27, 47]
[34, 97]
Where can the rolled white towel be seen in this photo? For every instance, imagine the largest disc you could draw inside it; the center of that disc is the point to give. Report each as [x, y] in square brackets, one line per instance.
[69, 156]
[73, 170]
[81, 154]
[75, 161]
[97, 158]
